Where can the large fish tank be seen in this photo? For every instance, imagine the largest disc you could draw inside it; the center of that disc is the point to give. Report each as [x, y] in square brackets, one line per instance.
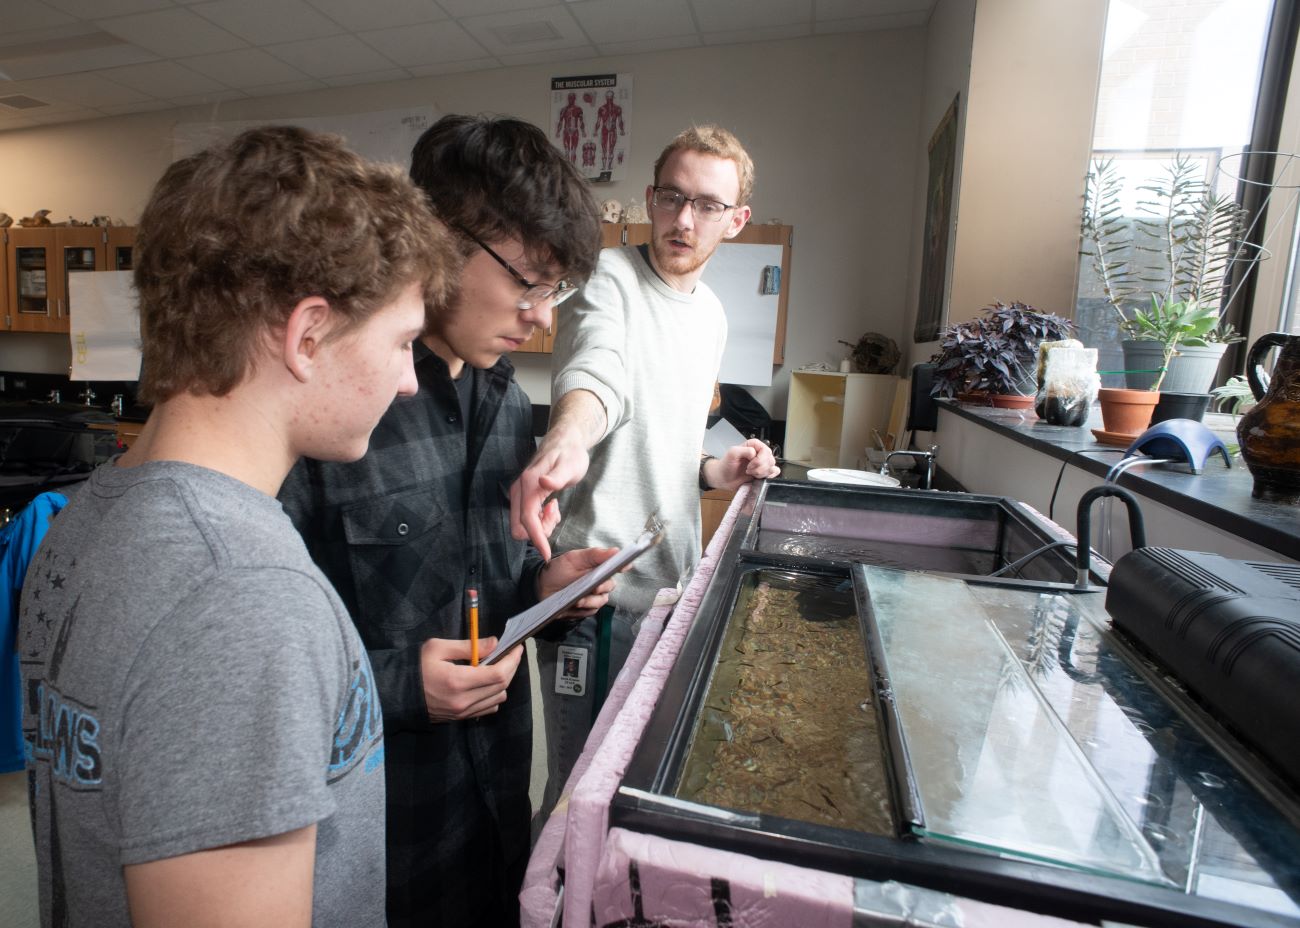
[868, 690]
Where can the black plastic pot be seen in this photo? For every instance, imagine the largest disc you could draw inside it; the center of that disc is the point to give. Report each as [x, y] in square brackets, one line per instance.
[1181, 406]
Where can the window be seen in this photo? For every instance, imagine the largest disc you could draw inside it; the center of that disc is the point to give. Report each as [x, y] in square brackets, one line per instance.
[1179, 79]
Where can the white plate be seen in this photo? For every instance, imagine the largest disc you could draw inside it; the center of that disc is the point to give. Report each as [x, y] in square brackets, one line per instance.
[862, 478]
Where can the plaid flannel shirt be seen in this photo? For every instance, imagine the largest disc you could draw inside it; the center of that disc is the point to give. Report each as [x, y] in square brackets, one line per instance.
[402, 534]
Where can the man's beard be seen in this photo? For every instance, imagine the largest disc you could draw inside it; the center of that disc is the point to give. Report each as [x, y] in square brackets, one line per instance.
[679, 265]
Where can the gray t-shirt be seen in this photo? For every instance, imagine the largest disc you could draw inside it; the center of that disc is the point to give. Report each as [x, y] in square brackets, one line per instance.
[192, 681]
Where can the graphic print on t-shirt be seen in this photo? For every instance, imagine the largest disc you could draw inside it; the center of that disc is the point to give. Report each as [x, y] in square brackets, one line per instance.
[360, 724]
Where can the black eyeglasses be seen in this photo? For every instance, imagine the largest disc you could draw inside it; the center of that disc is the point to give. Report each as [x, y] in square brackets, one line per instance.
[534, 293]
[670, 200]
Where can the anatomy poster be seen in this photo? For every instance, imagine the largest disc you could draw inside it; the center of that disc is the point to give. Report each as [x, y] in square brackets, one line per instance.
[591, 122]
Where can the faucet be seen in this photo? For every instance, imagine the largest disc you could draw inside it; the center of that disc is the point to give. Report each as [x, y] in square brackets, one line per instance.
[54, 397]
[927, 458]
[87, 395]
[118, 404]
[1083, 527]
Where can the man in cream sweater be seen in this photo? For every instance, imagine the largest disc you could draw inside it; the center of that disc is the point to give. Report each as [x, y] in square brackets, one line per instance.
[635, 361]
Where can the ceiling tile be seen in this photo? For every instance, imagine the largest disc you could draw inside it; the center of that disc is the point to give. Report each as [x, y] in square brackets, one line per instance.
[763, 34]
[163, 79]
[730, 15]
[560, 30]
[17, 15]
[101, 9]
[870, 23]
[72, 61]
[243, 67]
[580, 53]
[637, 47]
[455, 67]
[462, 8]
[92, 89]
[67, 114]
[428, 43]
[369, 77]
[275, 90]
[266, 22]
[121, 109]
[215, 96]
[627, 20]
[848, 9]
[331, 56]
[172, 33]
[357, 17]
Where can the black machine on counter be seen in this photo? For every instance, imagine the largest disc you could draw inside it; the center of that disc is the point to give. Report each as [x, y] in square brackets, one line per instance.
[915, 686]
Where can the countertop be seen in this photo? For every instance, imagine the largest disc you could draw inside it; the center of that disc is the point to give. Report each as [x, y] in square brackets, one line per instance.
[1219, 496]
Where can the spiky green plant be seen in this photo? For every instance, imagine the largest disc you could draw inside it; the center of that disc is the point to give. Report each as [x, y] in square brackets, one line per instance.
[1197, 236]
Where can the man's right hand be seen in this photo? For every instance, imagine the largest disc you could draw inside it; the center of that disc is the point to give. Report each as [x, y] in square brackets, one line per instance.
[558, 464]
[454, 691]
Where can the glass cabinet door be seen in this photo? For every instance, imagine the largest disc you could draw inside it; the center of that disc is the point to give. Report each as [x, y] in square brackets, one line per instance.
[121, 248]
[77, 259]
[31, 280]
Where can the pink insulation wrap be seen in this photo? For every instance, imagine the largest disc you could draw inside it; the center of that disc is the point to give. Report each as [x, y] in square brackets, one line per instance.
[648, 881]
[575, 833]
[877, 525]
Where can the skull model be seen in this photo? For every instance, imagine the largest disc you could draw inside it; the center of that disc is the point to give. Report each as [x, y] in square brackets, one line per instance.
[635, 212]
[610, 210]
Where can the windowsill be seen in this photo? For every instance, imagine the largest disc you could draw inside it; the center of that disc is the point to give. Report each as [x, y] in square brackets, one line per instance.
[1219, 496]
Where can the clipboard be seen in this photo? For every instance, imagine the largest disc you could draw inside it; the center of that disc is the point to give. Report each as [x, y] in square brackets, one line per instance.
[535, 618]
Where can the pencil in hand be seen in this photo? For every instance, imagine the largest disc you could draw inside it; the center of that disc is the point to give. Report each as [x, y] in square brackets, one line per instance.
[473, 628]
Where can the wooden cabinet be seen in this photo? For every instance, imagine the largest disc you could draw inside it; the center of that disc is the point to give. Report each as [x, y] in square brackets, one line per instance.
[38, 264]
[713, 506]
[121, 248]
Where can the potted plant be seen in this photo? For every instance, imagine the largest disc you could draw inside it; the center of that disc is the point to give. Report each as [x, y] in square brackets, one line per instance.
[1177, 254]
[995, 354]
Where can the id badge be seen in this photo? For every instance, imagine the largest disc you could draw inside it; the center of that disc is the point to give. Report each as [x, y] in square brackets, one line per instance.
[571, 671]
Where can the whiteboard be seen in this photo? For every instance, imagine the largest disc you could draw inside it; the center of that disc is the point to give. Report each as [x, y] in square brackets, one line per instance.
[735, 272]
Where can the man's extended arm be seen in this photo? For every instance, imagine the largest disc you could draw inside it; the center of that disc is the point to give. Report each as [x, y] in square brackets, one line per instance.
[752, 460]
[578, 421]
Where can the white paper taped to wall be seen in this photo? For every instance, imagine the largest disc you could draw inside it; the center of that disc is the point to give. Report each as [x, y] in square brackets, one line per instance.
[105, 328]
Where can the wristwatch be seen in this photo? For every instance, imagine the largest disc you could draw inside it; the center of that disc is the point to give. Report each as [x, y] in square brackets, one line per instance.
[704, 481]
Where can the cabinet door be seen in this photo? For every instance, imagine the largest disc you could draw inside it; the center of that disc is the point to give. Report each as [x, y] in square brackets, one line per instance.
[542, 340]
[33, 280]
[40, 261]
[5, 298]
[121, 248]
[82, 250]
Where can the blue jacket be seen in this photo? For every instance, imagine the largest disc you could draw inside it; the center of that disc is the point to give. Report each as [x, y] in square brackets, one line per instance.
[18, 543]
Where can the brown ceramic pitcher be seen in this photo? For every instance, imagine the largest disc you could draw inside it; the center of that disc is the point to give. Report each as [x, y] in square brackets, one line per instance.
[1269, 433]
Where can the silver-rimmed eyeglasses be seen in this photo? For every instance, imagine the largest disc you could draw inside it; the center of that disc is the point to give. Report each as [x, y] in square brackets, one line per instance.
[670, 201]
[534, 293]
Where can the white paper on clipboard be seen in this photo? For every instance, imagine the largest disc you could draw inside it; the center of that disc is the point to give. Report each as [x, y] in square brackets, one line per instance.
[533, 619]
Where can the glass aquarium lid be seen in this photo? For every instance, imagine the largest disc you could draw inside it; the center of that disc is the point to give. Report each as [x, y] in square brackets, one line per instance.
[1029, 732]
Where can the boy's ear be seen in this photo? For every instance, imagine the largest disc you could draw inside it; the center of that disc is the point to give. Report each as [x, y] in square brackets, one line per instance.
[304, 333]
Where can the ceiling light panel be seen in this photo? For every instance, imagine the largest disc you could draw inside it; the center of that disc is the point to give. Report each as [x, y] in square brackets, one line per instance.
[490, 30]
